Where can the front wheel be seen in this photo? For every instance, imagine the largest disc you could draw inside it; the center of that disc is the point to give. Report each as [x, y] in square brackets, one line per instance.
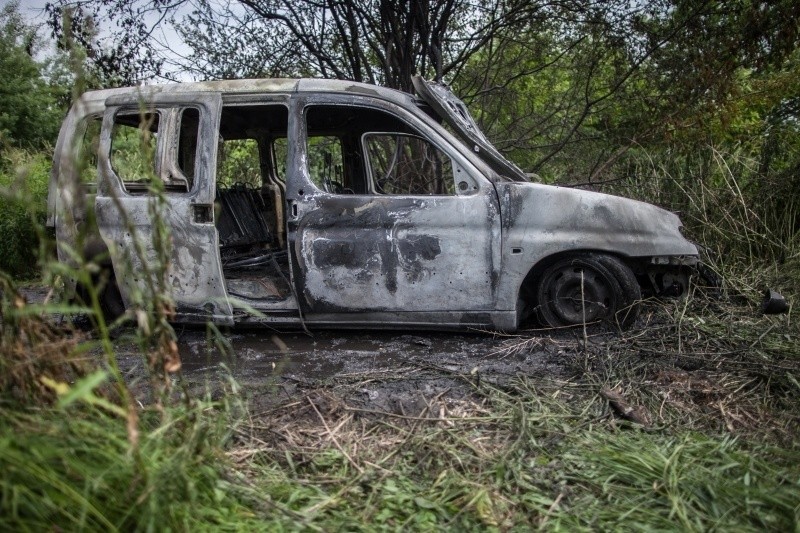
[587, 288]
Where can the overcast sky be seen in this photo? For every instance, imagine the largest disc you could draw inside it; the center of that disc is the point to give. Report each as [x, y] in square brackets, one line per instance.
[33, 10]
[168, 39]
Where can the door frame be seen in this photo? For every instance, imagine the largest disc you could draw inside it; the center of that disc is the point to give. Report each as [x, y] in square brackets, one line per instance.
[310, 207]
[126, 221]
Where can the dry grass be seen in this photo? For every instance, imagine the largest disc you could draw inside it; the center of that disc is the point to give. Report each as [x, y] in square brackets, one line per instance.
[34, 347]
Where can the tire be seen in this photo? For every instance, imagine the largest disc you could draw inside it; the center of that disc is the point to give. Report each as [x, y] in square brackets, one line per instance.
[609, 288]
[109, 297]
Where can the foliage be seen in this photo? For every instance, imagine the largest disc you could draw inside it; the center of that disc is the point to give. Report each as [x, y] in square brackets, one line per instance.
[384, 43]
[75, 468]
[30, 115]
[671, 75]
[33, 103]
[124, 60]
[23, 207]
[745, 216]
[237, 162]
[77, 450]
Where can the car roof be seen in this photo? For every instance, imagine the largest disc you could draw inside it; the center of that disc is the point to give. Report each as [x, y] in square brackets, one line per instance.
[258, 86]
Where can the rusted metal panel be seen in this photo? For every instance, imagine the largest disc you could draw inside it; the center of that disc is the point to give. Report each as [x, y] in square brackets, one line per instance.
[543, 220]
[396, 253]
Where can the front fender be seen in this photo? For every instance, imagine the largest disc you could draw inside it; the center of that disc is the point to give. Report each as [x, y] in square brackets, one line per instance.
[539, 221]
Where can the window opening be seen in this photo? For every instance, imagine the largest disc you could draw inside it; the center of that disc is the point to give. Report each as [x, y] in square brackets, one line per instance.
[363, 150]
[188, 139]
[86, 157]
[238, 162]
[325, 163]
[408, 164]
[133, 148]
[280, 150]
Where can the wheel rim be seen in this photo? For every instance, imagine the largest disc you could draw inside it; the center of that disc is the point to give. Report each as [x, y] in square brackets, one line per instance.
[578, 293]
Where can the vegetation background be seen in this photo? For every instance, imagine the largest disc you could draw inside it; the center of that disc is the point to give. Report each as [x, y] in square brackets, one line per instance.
[692, 105]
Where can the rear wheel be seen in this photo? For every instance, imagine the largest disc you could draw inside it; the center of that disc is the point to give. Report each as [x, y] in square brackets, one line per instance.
[111, 299]
[108, 296]
[587, 288]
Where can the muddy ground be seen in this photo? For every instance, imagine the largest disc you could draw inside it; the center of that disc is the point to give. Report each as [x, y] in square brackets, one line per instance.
[734, 374]
[399, 372]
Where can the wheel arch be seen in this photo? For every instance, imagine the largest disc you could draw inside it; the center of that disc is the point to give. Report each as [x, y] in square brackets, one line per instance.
[526, 298]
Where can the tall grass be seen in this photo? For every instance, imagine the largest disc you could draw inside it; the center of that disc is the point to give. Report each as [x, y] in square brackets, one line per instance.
[74, 469]
[746, 221]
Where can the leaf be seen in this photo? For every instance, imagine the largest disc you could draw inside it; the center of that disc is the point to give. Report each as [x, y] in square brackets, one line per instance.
[83, 391]
[423, 503]
[59, 388]
[83, 388]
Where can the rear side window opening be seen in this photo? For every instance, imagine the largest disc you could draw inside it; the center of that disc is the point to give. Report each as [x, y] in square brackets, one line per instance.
[138, 160]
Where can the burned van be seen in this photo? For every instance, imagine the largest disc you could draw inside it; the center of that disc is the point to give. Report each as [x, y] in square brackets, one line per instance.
[341, 204]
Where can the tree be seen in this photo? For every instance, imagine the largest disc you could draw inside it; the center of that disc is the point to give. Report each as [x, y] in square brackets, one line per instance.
[29, 113]
[383, 42]
[126, 56]
[376, 41]
[571, 101]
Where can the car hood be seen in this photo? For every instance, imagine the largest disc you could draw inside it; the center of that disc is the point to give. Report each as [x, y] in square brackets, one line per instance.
[557, 219]
[452, 110]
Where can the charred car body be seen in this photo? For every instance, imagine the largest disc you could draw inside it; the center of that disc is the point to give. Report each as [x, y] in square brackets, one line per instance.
[341, 204]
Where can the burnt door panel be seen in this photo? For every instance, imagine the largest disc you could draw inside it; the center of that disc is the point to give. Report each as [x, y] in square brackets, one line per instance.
[397, 253]
[428, 249]
[179, 153]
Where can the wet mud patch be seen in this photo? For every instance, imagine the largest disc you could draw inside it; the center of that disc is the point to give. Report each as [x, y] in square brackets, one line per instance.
[404, 373]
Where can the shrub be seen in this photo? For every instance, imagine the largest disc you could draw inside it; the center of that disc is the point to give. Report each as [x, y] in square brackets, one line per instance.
[23, 209]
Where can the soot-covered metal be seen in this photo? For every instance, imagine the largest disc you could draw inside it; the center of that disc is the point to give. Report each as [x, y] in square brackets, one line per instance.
[338, 204]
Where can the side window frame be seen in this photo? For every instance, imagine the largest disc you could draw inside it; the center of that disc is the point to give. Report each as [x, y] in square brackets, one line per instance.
[268, 161]
[170, 158]
[208, 105]
[471, 176]
[167, 165]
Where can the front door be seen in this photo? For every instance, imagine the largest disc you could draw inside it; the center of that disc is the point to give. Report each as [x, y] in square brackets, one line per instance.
[155, 200]
[386, 216]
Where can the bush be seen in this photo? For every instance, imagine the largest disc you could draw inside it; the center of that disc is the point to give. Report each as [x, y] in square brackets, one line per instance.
[23, 208]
